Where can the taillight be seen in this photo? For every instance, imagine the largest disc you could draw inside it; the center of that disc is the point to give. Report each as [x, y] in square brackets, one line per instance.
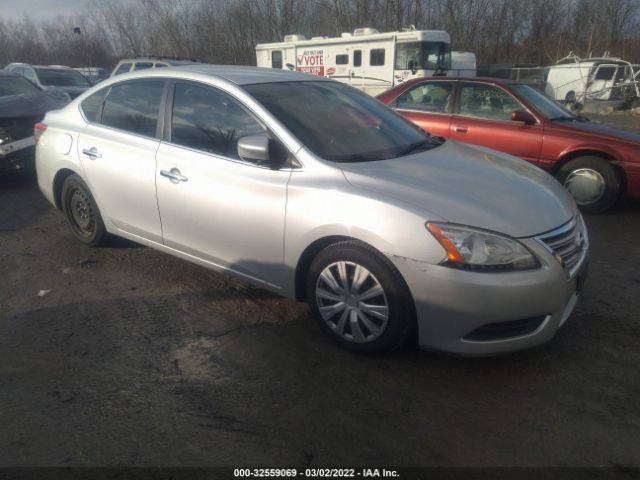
[38, 130]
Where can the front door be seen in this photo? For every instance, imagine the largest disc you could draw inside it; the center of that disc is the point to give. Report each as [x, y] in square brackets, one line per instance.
[484, 118]
[213, 205]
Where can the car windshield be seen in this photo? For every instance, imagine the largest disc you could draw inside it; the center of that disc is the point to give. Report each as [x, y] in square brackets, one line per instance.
[543, 104]
[10, 85]
[340, 123]
[61, 78]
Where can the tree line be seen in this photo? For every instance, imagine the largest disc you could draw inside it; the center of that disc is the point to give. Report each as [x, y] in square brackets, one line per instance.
[226, 31]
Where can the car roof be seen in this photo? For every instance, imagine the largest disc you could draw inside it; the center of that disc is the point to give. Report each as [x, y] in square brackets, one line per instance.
[238, 75]
[503, 81]
[168, 61]
[42, 67]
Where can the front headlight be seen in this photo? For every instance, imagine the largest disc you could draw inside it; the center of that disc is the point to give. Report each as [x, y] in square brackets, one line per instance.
[478, 250]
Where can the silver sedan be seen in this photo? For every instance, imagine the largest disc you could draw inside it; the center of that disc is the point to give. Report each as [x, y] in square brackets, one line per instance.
[315, 191]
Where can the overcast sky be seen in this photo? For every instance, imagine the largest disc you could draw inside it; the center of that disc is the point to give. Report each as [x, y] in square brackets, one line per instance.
[40, 9]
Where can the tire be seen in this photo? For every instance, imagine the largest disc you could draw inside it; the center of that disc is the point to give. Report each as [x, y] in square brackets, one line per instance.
[594, 183]
[373, 334]
[81, 212]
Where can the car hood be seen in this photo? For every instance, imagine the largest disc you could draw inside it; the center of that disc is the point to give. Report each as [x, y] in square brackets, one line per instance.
[471, 185]
[31, 105]
[591, 129]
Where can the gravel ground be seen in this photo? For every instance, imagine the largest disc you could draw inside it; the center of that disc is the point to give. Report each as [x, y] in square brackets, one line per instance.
[137, 358]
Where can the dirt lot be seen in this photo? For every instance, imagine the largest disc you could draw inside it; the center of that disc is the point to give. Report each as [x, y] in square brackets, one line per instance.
[137, 358]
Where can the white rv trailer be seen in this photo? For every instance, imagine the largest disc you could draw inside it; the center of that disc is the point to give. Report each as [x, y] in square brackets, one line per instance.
[573, 79]
[463, 64]
[367, 59]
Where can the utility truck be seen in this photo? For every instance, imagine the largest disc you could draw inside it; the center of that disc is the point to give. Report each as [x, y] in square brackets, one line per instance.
[366, 59]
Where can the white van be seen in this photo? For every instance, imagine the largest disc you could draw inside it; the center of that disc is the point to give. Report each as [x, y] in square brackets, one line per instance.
[575, 80]
[367, 59]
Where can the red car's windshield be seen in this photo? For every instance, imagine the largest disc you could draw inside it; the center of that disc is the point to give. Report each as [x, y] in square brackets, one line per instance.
[542, 104]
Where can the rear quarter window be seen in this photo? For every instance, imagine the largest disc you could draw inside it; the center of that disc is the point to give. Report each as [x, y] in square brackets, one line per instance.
[92, 106]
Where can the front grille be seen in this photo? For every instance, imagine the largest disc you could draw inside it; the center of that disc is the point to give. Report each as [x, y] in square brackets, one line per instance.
[504, 330]
[569, 243]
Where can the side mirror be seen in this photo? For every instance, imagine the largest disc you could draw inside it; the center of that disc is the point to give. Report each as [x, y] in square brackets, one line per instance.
[259, 149]
[522, 116]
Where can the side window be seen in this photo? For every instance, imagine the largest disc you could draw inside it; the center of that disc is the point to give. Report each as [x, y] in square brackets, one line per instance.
[30, 75]
[18, 71]
[92, 106]
[376, 57]
[123, 68]
[357, 58]
[160, 65]
[142, 65]
[134, 107]
[605, 73]
[342, 59]
[487, 101]
[428, 97]
[209, 120]
[276, 59]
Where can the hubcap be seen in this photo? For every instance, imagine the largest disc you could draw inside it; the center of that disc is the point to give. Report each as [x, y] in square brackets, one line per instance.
[586, 185]
[352, 302]
[81, 212]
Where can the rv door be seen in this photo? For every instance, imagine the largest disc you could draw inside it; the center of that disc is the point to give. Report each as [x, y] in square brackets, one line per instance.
[356, 69]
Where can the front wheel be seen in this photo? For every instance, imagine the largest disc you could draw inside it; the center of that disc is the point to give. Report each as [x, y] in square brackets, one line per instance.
[82, 212]
[594, 183]
[359, 299]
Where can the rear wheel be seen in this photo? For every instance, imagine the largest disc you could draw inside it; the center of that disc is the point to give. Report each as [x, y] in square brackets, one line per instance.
[594, 183]
[82, 212]
[360, 300]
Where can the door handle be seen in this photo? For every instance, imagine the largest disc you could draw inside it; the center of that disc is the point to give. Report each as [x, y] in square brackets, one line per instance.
[92, 153]
[461, 129]
[174, 175]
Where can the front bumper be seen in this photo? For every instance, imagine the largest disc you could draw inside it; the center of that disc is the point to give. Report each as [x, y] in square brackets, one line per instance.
[452, 305]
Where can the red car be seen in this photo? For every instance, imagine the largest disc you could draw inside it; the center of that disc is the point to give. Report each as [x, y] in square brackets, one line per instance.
[597, 164]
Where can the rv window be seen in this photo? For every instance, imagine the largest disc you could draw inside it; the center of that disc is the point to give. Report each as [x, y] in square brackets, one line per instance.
[605, 73]
[276, 59]
[342, 59]
[428, 97]
[377, 57]
[357, 58]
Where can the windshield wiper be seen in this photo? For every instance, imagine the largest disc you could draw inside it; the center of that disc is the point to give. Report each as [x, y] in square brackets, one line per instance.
[577, 118]
[430, 142]
[358, 157]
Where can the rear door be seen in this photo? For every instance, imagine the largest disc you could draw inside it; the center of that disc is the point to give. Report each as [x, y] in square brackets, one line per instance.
[117, 150]
[223, 210]
[428, 105]
[483, 117]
